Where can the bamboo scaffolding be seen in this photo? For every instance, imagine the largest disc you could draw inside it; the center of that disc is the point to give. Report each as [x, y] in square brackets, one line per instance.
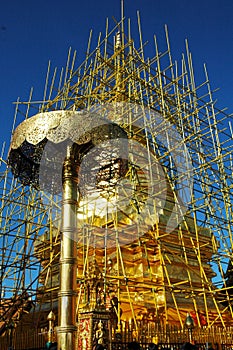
[153, 271]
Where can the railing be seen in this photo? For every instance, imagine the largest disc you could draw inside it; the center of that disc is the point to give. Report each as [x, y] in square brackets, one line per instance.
[221, 339]
[24, 340]
[144, 346]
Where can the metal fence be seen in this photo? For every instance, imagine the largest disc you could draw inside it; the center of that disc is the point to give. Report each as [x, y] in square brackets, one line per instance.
[220, 339]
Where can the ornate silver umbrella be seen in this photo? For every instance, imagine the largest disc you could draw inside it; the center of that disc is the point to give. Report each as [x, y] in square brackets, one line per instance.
[46, 152]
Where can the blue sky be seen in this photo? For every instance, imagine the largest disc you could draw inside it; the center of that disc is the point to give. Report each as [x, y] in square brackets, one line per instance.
[32, 33]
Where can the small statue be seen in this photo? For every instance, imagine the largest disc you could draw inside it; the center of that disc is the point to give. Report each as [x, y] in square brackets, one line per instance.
[100, 297]
[100, 333]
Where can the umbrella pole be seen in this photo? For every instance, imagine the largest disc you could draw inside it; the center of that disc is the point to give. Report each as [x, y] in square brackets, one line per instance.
[66, 330]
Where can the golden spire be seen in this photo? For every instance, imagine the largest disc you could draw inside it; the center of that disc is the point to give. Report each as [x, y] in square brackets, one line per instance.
[119, 50]
[122, 21]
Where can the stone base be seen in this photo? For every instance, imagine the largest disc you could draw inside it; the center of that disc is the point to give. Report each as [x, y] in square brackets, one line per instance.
[93, 328]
